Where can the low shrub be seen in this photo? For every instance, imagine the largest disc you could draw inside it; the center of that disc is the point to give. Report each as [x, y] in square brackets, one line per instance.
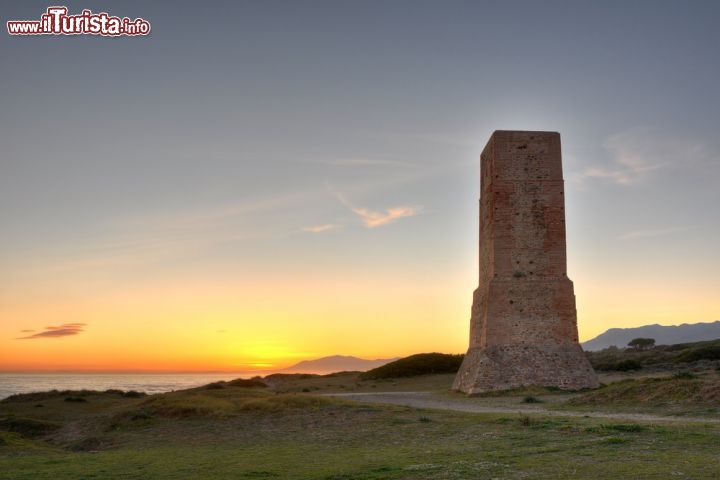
[654, 391]
[134, 394]
[616, 440]
[215, 386]
[420, 364]
[290, 376]
[709, 352]
[181, 405]
[28, 427]
[624, 427]
[76, 399]
[140, 415]
[89, 444]
[621, 366]
[48, 395]
[280, 403]
[254, 382]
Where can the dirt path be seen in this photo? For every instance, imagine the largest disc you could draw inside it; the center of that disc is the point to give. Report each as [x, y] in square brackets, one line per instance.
[434, 401]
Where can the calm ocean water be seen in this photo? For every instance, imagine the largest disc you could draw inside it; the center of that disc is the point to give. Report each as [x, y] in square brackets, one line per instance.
[11, 383]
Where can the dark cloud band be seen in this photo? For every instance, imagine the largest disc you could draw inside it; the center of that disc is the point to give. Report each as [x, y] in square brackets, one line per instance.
[59, 331]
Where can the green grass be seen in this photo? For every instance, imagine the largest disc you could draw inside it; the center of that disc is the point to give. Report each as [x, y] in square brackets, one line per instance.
[250, 433]
[366, 445]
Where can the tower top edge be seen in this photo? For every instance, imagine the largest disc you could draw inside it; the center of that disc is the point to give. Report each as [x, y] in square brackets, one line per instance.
[533, 132]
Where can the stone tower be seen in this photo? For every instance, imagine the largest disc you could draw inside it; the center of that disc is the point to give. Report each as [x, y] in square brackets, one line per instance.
[523, 326]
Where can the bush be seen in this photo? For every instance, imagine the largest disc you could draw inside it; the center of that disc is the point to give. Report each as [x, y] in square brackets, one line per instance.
[627, 365]
[621, 366]
[641, 343]
[134, 394]
[685, 375]
[624, 427]
[710, 352]
[28, 427]
[420, 364]
[215, 386]
[254, 382]
[289, 376]
[616, 440]
[531, 399]
[48, 395]
[75, 399]
[141, 415]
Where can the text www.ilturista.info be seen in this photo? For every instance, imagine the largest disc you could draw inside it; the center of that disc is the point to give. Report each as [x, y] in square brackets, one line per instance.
[56, 21]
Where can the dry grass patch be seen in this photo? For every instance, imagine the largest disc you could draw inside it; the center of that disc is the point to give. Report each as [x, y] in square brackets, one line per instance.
[225, 402]
[676, 390]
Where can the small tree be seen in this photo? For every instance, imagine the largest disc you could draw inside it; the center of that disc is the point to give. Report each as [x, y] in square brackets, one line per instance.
[641, 343]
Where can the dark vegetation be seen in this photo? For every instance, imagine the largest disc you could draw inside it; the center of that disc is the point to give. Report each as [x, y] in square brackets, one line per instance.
[641, 343]
[640, 353]
[28, 427]
[255, 382]
[707, 352]
[531, 399]
[70, 395]
[76, 399]
[662, 357]
[420, 364]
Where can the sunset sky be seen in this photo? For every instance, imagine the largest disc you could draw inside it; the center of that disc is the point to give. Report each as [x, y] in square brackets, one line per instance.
[257, 183]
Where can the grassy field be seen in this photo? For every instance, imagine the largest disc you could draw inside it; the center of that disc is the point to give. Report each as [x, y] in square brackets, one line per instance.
[234, 432]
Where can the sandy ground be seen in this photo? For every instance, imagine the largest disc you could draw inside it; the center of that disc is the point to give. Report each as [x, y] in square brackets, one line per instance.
[433, 400]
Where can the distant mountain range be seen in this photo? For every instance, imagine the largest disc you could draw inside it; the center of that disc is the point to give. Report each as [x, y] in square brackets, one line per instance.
[663, 335]
[336, 363]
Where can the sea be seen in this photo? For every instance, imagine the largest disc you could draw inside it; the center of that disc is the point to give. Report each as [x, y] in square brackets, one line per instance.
[12, 383]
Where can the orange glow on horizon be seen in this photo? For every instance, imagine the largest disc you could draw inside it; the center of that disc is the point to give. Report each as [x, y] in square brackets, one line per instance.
[240, 326]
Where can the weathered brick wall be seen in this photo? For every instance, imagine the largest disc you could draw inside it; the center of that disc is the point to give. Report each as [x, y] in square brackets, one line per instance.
[523, 327]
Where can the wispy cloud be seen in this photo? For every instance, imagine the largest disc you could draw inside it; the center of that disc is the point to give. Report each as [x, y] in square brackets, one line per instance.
[373, 219]
[636, 154]
[320, 228]
[652, 233]
[64, 330]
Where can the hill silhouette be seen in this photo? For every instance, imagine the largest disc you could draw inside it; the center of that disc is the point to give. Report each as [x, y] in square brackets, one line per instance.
[336, 363]
[663, 335]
